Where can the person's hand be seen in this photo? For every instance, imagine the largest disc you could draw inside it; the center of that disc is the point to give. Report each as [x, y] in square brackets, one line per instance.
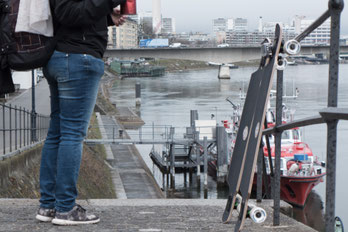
[117, 18]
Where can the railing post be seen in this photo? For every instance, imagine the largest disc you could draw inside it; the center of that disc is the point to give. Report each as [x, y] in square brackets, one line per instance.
[172, 162]
[20, 126]
[336, 7]
[29, 129]
[205, 150]
[3, 128]
[278, 137]
[10, 126]
[16, 128]
[259, 175]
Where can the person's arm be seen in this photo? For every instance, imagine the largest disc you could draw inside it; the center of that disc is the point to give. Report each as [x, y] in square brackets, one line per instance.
[83, 12]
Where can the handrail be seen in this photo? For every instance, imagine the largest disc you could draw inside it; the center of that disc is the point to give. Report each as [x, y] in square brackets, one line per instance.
[17, 130]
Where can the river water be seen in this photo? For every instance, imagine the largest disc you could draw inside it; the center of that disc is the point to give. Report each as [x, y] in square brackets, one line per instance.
[168, 100]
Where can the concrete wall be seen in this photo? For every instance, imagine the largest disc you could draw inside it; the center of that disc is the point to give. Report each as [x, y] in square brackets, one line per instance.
[18, 163]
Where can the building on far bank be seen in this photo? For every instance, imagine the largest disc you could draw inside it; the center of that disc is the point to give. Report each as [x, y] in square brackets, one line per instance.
[198, 36]
[168, 26]
[240, 24]
[219, 25]
[125, 36]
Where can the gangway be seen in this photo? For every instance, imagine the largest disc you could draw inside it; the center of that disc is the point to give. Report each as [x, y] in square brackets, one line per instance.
[174, 149]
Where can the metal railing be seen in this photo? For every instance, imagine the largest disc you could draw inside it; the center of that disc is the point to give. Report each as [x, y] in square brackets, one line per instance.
[20, 128]
[152, 134]
[330, 116]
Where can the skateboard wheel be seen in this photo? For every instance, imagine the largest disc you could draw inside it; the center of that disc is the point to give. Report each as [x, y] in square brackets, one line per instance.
[292, 47]
[258, 215]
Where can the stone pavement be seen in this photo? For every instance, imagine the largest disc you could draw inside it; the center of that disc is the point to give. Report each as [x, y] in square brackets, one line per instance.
[143, 215]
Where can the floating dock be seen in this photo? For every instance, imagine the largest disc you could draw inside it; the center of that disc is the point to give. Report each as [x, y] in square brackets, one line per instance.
[136, 69]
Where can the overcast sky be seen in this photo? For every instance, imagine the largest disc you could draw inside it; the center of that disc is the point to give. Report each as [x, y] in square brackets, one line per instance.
[197, 15]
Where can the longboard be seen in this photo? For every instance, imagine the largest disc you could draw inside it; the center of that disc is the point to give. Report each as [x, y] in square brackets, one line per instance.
[245, 129]
[256, 128]
[237, 159]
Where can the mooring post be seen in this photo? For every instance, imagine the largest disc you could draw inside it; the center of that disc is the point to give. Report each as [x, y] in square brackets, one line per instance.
[223, 144]
[278, 137]
[205, 149]
[335, 7]
[194, 117]
[153, 135]
[172, 165]
[198, 160]
[137, 94]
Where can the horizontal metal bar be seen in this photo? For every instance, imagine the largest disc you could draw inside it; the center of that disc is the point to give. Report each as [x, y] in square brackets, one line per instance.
[296, 123]
[143, 141]
[333, 113]
[326, 114]
[313, 26]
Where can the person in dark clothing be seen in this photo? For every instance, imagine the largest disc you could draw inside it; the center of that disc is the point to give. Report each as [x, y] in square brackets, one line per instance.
[73, 75]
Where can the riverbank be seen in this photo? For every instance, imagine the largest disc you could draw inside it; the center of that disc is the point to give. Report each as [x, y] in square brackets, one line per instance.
[131, 177]
[173, 65]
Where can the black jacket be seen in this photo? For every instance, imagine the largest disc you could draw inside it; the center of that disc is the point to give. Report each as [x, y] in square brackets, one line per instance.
[81, 25]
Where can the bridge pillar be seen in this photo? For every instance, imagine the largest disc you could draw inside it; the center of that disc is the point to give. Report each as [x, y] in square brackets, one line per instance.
[224, 72]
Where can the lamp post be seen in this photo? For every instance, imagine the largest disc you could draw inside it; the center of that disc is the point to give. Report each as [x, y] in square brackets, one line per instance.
[33, 112]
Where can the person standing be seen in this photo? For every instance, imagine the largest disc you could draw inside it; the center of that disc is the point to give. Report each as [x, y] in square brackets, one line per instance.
[73, 74]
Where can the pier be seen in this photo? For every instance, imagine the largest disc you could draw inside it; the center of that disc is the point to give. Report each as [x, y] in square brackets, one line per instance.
[143, 215]
[171, 152]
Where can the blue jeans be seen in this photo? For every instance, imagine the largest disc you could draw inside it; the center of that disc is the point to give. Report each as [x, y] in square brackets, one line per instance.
[73, 81]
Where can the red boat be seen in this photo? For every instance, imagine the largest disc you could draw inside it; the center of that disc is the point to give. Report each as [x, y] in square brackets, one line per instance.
[300, 171]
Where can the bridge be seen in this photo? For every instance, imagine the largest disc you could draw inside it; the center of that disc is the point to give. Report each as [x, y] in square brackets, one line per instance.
[219, 55]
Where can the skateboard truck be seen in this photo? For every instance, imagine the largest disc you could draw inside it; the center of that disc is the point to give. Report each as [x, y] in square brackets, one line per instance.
[266, 47]
[282, 62]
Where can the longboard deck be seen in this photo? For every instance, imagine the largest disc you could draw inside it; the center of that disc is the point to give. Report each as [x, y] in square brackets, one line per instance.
[237, 159]
[246, 131]
[255, 136]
